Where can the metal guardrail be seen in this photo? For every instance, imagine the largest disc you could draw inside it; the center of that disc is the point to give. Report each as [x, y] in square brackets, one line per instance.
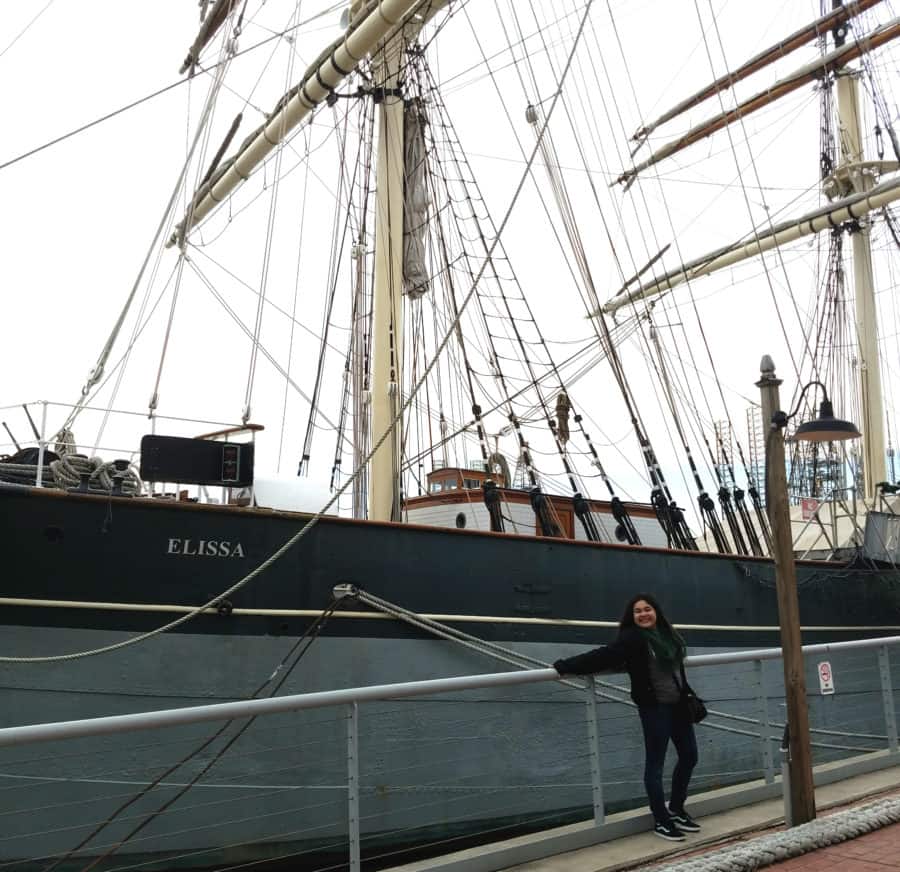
[297, 702]
[226, 711]
[352, 698]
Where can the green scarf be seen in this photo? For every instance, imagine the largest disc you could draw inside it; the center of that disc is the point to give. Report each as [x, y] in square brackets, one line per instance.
[668, 648]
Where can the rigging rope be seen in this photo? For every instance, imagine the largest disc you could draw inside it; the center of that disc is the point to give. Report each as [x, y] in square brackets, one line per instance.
[451, 296]
[338, 241]
[704, 501]
[669, 515]
[778, 252]
[290, 354]
[267, 251]
[554, 230]
[275, 37]
[97, 372]
[657, 246]
[518, 339]
[589, 294]
[487, 262]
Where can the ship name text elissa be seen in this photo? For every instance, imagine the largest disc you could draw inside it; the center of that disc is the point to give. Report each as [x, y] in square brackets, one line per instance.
[205, 548]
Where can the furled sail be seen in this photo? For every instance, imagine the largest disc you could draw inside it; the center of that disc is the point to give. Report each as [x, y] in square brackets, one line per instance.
[416, 201]
[811, 31]
[809, 73]
[848, 209]
[208, 29]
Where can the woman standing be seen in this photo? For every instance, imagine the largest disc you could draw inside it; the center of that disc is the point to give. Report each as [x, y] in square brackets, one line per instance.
[652, 651]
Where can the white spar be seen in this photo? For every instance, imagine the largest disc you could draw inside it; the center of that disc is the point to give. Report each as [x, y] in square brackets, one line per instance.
[325, 74]
[836, 213]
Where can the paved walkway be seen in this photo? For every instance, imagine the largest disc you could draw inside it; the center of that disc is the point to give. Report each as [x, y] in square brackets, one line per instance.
[877, 851]
[638, 849]
[646, 852]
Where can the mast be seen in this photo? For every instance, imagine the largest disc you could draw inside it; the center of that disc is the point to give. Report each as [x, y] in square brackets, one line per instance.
[388, 283]
[387, 321]
[854, 175]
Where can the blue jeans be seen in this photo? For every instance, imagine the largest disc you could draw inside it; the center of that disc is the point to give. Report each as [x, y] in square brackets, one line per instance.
[662, 723]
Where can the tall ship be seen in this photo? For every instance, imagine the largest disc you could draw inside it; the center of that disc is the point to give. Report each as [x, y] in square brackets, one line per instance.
[490, 357]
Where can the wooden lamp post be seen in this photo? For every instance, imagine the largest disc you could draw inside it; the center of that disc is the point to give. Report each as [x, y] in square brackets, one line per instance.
[826, 428]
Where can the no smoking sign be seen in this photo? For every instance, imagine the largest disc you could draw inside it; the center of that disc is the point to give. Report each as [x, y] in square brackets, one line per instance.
[826, 678]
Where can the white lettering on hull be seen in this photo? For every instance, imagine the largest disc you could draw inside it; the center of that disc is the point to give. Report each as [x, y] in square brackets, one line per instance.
[205, 548]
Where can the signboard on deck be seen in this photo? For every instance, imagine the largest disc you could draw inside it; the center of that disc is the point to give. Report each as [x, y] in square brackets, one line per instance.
[808, 508]
[826, 678]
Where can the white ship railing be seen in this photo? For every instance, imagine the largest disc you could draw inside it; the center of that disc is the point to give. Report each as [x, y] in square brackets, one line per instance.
[762, 729]
[39, 414]
[39, 420]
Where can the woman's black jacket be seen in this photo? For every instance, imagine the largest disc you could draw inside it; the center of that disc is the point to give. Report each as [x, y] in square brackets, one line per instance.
[629, 651]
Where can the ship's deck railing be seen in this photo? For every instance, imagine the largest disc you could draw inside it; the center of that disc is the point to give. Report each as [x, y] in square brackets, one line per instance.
[38, 423]
[109, 430]
[741, 690]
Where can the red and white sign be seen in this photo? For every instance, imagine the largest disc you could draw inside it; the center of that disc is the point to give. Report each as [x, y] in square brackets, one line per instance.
[808, 508]
[826, 678]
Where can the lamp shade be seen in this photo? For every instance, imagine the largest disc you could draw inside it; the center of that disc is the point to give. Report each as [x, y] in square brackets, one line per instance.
[826, 428]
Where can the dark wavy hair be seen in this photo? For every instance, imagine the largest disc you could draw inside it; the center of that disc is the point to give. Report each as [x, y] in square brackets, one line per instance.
[661, 620]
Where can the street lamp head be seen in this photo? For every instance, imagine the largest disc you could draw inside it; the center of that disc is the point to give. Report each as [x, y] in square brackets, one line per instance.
[826, 428]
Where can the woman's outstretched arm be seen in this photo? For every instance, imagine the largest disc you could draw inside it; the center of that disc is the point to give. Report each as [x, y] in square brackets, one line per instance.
[611, 657]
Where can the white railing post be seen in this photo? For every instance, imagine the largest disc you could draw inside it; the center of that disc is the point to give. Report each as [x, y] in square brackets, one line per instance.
[42, 444]
[762, 708]
[353, 784]
[887, 697]
[594, 752]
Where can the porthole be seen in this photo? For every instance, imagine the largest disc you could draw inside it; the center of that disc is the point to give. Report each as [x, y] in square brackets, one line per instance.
[461, 520]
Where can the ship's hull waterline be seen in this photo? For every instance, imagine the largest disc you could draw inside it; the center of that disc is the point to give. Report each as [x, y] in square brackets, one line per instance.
[85, 572]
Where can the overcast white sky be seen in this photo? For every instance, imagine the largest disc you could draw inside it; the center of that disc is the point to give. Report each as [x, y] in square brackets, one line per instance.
[78, 216]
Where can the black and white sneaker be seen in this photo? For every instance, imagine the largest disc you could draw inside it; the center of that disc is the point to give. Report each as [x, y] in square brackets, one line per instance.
[684, 822]
[669, 831]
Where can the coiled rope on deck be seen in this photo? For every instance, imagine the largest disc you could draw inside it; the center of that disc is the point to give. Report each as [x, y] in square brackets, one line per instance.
[67, 470]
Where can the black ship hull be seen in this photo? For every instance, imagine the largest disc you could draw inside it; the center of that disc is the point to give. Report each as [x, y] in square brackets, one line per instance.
[66, 547]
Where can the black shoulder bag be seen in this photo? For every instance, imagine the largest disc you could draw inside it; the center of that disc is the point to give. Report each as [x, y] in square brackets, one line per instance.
[694, 707]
